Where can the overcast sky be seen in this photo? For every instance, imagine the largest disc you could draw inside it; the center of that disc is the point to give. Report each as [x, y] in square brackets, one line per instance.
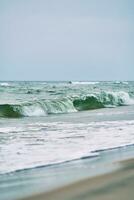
[66, 40]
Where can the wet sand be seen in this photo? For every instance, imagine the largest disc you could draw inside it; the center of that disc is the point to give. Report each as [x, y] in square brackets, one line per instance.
[117, 185]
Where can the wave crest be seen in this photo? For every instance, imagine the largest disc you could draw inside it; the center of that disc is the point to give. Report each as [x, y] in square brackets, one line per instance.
[67, 105]
[102, 100]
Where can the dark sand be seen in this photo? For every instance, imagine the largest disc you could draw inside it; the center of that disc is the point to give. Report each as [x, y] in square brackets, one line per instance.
[117, 185]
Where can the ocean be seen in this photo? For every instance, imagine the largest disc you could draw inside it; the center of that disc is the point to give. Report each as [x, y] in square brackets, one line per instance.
[49, 124]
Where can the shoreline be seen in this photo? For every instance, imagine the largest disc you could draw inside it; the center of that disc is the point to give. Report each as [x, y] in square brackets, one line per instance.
[114, 185]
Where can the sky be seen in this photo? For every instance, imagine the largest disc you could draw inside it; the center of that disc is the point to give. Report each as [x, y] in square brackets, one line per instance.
[66, 40]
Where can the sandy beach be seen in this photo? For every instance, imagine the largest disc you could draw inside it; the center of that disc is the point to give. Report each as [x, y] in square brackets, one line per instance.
[116, 185]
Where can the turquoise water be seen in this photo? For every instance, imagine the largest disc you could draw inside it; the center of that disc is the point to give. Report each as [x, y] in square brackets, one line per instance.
[46, 124]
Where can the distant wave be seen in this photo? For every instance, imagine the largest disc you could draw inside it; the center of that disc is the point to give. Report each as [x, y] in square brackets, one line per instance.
[121, 82]
[84, 82]
[66, 105]
[4, 84]
[32, 91]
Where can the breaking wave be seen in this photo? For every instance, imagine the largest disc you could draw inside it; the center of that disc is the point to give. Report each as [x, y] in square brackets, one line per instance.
[66, 105]
[84, 82]
[4, 84]
[39, 108]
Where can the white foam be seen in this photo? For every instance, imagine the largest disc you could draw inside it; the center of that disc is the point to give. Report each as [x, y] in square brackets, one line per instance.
[50, 143]
[116, 98]
[84, 83]
[125, 82]
[124, 96]
[33, 110]
[5, 84]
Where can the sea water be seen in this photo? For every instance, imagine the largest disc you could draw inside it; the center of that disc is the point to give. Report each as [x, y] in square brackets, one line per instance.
[44, 124]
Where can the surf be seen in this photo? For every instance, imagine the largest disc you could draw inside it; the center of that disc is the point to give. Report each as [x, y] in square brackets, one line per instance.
[44, 107]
